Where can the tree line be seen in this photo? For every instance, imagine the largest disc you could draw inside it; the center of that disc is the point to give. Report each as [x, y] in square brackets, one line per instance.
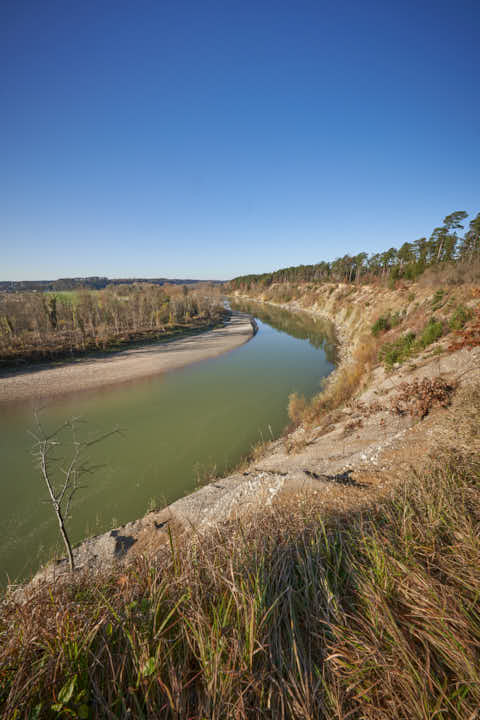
[444, 245]
[46, 325]
[93, 282]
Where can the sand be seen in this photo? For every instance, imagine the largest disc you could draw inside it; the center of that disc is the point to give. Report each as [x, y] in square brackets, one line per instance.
[47, 380]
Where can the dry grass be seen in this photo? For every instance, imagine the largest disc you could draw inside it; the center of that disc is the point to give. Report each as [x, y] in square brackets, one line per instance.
[296, 407]
[366, 351]
[256, 453]
[292, 615]
[340, 387]
[346, 382]
[465, 426]
[297, 441]
[451, 274]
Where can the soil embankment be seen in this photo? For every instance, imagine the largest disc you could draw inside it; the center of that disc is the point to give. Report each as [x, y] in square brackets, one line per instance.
[350, 458]
[42, 381]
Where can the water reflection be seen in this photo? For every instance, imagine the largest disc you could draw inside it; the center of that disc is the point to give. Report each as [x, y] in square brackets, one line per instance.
[205, 415]
[319, 332]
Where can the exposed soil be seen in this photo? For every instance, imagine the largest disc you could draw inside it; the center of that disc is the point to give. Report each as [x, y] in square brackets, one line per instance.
[357, 460]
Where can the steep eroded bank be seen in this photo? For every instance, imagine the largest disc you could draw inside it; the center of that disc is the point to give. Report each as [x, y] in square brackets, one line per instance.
[352, 446]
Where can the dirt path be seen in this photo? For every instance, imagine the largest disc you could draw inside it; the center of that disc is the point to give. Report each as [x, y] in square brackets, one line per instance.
[142, 361]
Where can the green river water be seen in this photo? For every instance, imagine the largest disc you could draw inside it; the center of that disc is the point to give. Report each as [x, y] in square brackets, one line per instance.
[177, 426]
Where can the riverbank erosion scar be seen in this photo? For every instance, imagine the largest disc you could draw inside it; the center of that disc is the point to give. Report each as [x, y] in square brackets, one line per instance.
[139, 362]
[354, 460]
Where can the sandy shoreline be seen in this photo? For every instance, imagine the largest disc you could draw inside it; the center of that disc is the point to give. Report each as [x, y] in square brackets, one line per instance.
[44, 381]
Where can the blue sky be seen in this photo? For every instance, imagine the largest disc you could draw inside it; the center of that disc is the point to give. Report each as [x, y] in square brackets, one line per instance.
[211, 138]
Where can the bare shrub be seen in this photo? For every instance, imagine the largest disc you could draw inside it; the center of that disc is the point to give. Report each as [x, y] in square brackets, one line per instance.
[468, 336]
[419, 396]
[40, 326]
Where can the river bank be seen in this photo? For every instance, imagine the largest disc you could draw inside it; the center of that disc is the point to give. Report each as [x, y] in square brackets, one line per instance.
[39, 382]
[353, 529]
[355, 455]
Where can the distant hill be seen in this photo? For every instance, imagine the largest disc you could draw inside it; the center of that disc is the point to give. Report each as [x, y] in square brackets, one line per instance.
[92, 283]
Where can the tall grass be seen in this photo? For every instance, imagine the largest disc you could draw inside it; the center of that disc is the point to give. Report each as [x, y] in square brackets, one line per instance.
[290, 615]
[340, 387]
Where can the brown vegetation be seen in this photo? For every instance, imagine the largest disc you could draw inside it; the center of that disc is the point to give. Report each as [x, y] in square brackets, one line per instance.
[38, 326]
[290, 615]
[469, 336]
[342, 385]
[418, 397]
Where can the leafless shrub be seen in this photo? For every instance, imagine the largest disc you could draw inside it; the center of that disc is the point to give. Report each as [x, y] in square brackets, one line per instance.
[469, 336]
[418, 397]
[62, 465]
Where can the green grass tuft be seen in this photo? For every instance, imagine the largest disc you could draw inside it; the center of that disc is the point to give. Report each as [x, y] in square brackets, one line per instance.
[407, 345]
[459, 317]
[398, 350]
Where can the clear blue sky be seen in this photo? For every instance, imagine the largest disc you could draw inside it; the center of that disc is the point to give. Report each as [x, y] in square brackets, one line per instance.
[208, 139]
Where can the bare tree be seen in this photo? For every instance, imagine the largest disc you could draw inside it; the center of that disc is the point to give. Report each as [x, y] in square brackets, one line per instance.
[62, 466]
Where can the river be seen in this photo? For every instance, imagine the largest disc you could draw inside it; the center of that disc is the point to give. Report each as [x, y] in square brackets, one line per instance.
[177, 427]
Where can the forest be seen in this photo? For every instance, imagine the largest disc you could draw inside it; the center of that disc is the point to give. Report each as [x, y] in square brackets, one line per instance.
[445, 245]
[50, 325]
[93, 282]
